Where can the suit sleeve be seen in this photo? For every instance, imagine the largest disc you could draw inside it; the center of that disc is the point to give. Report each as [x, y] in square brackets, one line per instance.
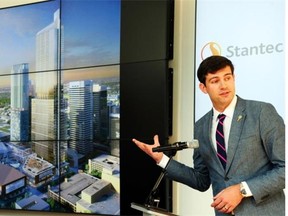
[272, 132]
[197, 178]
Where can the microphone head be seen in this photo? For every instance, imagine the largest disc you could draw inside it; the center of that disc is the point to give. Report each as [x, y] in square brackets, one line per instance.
[193, 144]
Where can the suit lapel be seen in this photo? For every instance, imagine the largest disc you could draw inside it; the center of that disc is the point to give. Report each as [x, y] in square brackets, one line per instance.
[235, 131]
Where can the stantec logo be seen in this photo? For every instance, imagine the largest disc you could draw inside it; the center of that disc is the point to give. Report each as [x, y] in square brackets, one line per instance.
[209, 49]
[213, 48]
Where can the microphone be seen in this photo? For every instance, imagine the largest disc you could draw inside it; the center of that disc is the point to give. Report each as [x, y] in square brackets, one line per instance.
[177, 146]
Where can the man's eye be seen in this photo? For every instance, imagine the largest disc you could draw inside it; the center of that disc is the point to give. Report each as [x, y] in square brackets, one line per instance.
[227, 78]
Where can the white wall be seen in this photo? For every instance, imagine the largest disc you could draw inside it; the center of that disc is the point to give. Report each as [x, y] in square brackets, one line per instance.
[187, 201]
[251, 34]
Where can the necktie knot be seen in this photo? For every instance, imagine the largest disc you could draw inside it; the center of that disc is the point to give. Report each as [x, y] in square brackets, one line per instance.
[221, 117]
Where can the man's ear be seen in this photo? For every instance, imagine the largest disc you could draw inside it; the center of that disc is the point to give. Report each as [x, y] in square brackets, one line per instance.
[203, 88]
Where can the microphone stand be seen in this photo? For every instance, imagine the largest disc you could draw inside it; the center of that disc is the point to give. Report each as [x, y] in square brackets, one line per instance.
[151, 200]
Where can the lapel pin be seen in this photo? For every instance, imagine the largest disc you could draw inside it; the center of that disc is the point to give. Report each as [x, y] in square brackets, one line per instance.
[239, 118]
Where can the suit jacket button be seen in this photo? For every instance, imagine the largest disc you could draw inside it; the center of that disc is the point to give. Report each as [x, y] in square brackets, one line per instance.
[226, 178]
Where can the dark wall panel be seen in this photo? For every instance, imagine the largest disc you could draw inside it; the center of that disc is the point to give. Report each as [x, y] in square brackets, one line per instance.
[145, 49]
[146, 30]
[144, 113]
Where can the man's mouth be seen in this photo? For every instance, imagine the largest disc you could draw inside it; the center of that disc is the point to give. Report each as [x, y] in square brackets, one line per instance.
[224, 94]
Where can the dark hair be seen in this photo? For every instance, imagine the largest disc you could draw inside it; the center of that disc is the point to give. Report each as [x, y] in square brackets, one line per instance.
[211, 65]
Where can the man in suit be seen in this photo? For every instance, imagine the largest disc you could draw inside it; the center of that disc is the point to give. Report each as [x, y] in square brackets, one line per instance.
[248, 176]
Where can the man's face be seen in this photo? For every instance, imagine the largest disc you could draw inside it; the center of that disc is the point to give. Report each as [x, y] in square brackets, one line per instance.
[220, 87]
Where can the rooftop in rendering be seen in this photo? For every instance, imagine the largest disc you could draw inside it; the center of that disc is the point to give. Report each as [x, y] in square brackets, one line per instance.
[32, 203]
[34, 165]
[11, 174]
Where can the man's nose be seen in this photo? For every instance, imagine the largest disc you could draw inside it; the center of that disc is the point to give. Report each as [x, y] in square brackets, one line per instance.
[223, 84]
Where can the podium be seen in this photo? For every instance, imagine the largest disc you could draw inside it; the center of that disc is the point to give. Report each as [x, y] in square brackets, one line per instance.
[151, 211]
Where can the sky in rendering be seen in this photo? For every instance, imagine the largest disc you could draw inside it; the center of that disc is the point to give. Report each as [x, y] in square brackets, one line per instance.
[91, 33]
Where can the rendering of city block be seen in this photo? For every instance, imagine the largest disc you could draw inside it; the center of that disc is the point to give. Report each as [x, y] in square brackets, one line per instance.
[59, 107]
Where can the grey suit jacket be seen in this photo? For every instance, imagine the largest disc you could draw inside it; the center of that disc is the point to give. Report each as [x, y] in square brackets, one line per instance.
[256, 154]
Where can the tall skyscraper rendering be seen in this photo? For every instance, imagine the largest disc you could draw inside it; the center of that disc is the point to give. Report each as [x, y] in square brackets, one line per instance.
[20, 114]
[47, 119]
[100, 113]
[81, 112]
[115, 132]
[47, 58]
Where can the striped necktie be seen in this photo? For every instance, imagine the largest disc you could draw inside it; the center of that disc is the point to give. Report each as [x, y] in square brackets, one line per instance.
[220, 141]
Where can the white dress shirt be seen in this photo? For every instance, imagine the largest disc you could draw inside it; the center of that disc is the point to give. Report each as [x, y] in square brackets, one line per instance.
[227, 122]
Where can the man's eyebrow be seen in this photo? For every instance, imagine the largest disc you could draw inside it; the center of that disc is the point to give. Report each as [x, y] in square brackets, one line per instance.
[227, 74]
[214, 77]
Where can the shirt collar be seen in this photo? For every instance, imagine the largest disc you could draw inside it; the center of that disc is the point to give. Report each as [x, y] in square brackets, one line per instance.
[228, 111]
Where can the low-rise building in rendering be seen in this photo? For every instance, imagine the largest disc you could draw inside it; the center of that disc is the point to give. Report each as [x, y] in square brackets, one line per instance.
[32, 203]
[12, 182]
[87, 194]
[109, 166]
[38, 171]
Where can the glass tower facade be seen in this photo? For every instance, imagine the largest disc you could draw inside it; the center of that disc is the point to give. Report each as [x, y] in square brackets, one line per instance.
[20, 114]
[81, 112]
[100, 113]
[46, 121]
